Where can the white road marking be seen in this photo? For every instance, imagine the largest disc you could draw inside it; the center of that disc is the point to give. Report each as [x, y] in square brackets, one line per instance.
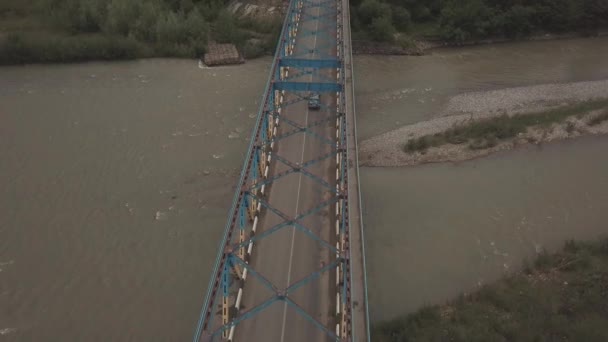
[293, 233]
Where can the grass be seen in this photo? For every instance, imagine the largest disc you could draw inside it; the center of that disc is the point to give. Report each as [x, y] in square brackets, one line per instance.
[487, 133]
[559, 297]
[603, 116]
[22, 48]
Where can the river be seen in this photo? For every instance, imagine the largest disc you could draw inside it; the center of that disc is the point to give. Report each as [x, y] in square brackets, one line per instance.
[117, 178]
[116, 181]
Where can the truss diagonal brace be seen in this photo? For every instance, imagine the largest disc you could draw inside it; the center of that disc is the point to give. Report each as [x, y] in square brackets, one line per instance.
[246, 315]
[250, 269]
[301, 169]
[295, 223]
[314, 275]
[302, 129]
[306, 315]
[308, 131]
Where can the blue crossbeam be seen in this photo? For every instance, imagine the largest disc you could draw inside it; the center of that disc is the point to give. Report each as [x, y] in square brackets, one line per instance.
[310, 63]
[319, 87]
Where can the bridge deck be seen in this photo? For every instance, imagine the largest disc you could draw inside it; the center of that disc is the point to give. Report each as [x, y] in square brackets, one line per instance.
[302, 277]
[290, 255]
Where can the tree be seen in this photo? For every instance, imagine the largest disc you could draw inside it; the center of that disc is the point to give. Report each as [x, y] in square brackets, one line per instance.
[372, 9]
[168, 29]
[225, 29]
[145, 26]
[517, 21]
[466, 19]
[122, 15]
[401, 18]
[595, 14]
[382, 29]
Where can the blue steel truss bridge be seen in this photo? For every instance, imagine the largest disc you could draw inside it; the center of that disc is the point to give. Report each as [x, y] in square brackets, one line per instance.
[291, 263]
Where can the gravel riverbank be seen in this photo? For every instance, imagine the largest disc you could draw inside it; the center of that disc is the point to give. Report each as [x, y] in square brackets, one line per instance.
[387, 149]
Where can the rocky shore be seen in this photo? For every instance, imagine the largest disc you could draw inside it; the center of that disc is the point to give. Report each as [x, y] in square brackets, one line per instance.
[387, 149]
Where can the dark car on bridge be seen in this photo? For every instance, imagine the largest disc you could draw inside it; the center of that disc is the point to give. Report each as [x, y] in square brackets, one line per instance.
[314, 101]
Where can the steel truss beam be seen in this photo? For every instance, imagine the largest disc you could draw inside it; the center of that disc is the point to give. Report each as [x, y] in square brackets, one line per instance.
[281, 295]
[300, 129]
[291, 170]
[294, 222]
[298, 168]
[280, 87]
[308, 130]
[310, 63]
[319, 87]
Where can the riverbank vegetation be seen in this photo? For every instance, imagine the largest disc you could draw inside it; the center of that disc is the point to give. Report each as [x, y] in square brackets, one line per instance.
[487, 133]
[34, 31]
[459, 21]
[602, 117]
[558, 297]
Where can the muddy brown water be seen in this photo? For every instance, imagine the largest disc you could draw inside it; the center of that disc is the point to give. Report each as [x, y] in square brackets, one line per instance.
[398, 90]
[116, 181]
[440, 230]
[435, 231]
[117, 177]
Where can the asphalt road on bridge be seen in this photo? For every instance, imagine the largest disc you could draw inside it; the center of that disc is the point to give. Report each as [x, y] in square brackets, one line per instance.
[290, 255]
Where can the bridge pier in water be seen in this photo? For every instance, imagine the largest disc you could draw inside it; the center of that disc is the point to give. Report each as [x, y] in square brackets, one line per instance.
[291, 264]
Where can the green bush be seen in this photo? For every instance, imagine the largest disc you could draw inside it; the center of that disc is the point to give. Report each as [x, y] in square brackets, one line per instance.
[401, 18]
[464, 20]
[21, 49]
[598, 119]
[373, 9]
[489, 132]
[382, 30]
[225, 29]
[563, 296]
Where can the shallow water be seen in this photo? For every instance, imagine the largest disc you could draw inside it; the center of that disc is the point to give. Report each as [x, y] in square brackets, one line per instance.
[435, 231]
[392, 91]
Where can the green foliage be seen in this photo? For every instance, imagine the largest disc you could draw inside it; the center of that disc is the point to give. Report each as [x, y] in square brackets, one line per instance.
[469, 20]
[401, 18]
[382, 30]
[144, 27]
[372, 9]
[465, 20]
[488, 133]
[20, 48]
[225, 29]
[563, 296]
[121, 16]
[598, 119]
[518, 21]
[156, 27]
[405, 41]
[377, 19]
